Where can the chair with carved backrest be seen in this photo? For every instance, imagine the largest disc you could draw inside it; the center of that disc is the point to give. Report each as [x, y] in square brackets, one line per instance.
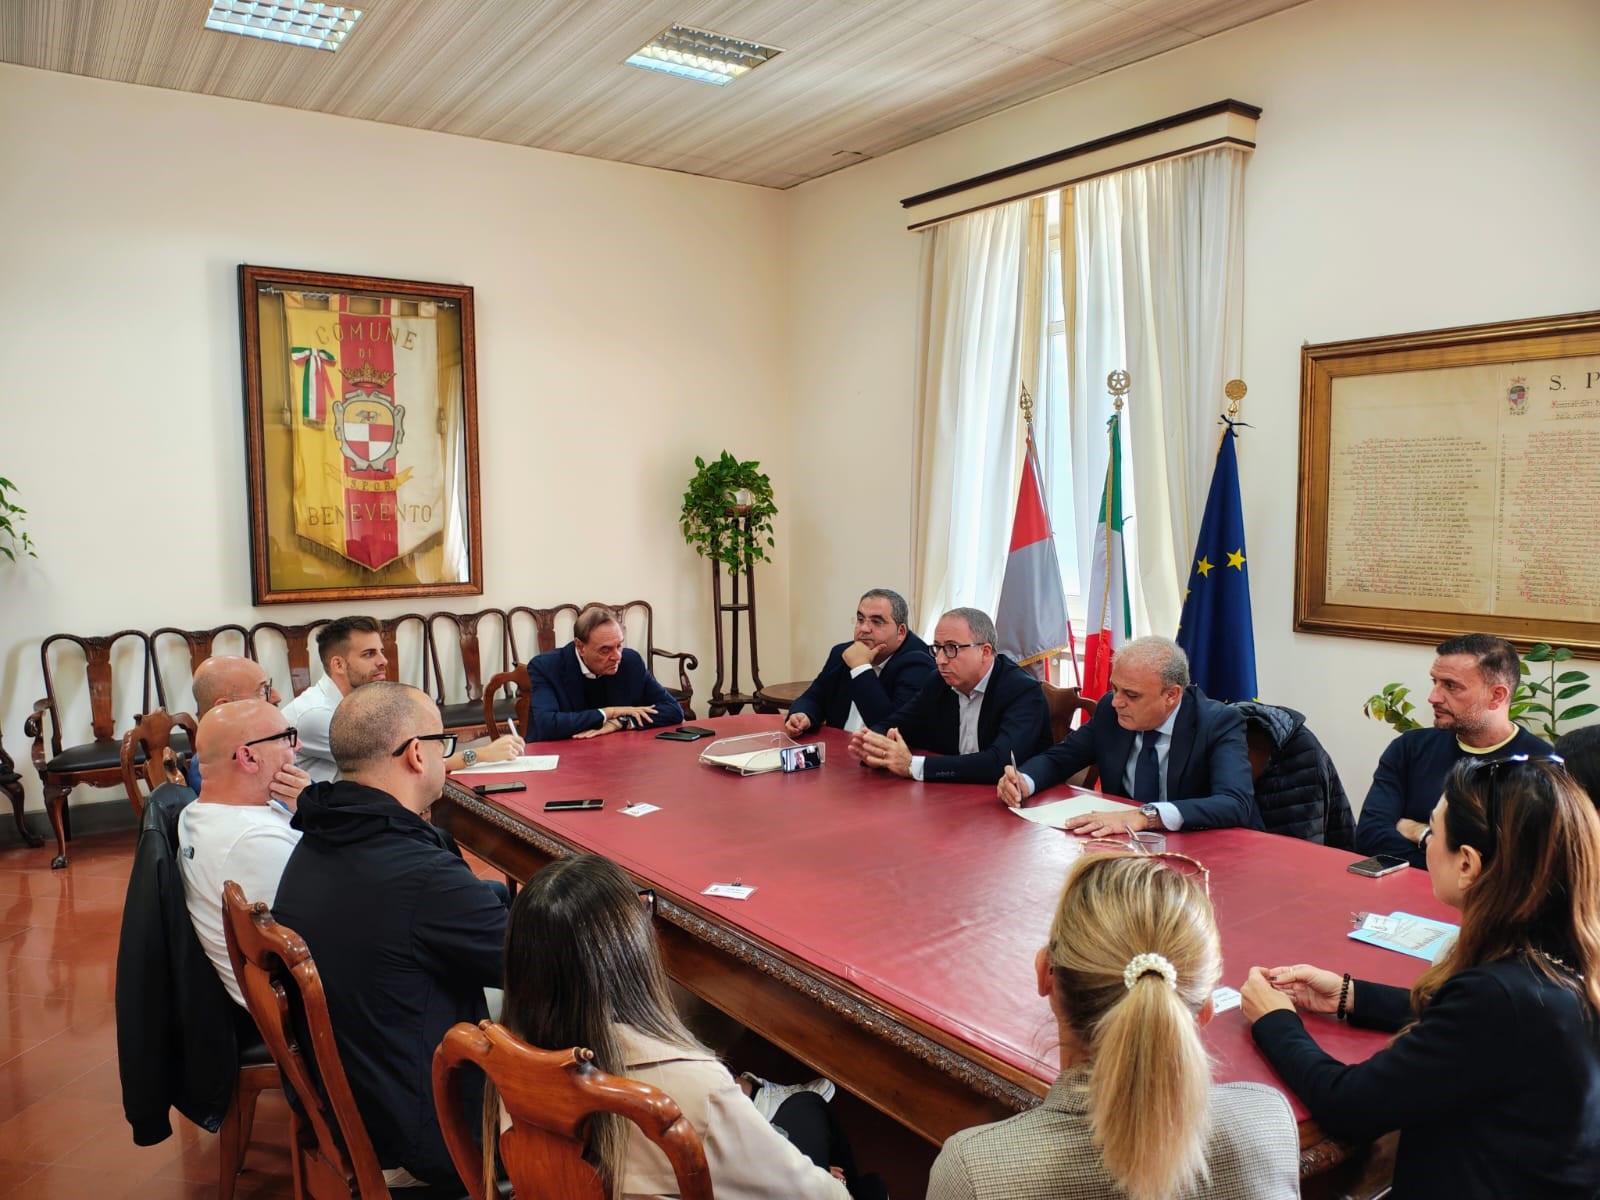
[148, 755]
[330, 1152]
[1065, 704]
[272, 644]
[197, 646]
[549, 1096]
[11, 785]
[97, 762]
[471, 634]
[408, 647]
[507, 688]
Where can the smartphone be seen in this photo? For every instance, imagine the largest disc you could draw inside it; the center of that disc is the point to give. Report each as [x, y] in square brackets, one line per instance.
[573, 805]
[802, 758]
[494, 789]
[677, 735]
[697, 730]
[1378, 864]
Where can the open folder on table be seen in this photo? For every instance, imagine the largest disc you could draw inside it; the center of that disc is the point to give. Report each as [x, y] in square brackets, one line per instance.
[526, 762]
[1057, 812]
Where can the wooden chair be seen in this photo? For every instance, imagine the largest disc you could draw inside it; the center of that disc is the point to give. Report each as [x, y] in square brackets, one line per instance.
[549, 1095]
[97, 762]
[198, 645]
[11, 785]
[508, 688]
[1065, 704]
[148, 753]
[267, 640]
[330, 1152]
[465, 717]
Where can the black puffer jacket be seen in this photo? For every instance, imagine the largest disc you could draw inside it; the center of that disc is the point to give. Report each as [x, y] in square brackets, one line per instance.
[1298, 793]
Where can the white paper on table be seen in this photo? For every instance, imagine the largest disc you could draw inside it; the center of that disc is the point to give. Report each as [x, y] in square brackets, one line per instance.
[528, 762]
[1056, 813]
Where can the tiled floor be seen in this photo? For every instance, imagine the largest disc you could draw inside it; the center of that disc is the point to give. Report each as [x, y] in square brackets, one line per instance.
[62, 1133]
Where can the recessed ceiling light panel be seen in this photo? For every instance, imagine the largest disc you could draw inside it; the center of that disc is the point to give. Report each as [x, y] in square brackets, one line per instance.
[700, 54]
[293, 22]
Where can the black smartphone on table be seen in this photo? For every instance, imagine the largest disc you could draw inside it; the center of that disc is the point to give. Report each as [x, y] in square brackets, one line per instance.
[573, 805]
[1378, 864]
[494, 789]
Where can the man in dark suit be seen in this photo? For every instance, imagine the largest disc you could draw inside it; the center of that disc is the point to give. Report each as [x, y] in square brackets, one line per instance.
[592, 686]
[980, 711]
[866, 679]
[1157, 740]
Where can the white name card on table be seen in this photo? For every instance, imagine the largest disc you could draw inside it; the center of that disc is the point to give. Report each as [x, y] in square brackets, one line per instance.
[1058, 812]
[528, 762]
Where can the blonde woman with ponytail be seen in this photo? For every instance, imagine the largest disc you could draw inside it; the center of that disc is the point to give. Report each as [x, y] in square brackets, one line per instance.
[1128, 972]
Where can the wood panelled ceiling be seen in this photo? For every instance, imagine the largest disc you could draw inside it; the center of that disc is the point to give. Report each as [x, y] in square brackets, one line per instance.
[857, 79]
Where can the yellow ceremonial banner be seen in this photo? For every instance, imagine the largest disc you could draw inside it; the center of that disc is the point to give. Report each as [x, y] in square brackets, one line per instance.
[367, 442]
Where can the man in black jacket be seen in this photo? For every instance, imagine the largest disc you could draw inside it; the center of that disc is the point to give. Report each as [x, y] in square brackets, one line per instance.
[405, 937]
[981, 711]
[1158, 740]
[865, 679]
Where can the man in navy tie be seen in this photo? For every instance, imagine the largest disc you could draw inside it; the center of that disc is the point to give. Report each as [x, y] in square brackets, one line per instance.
[1157, 740]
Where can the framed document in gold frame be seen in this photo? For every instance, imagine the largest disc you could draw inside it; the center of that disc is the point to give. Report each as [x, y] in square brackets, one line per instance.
[1449, 483]
[361, 435]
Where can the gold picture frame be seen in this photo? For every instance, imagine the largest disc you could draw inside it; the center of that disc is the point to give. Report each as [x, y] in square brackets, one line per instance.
[1448, 484]
[361, 436]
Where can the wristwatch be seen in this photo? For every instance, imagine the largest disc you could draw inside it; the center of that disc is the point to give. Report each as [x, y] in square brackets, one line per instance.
[1422, 842]
[1152, 814]
[468, 757]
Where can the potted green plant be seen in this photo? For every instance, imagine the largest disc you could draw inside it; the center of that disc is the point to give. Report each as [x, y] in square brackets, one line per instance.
[14, 538]
[1535, 705]
[721, 495]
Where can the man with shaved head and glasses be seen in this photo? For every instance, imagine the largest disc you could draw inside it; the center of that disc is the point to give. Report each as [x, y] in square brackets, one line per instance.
[236, 830]
[404, 935]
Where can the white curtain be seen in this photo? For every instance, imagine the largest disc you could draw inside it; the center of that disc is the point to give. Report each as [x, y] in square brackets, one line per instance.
[967, 432]
[1158, 293]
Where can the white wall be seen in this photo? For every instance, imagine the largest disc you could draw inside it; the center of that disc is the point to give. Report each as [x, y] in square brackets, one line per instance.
[627, 319]
[1421, 163]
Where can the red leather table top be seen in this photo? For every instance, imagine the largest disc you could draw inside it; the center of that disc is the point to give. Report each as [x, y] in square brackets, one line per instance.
[933, 898]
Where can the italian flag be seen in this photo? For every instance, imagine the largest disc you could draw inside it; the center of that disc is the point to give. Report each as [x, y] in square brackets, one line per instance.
[1110, 618]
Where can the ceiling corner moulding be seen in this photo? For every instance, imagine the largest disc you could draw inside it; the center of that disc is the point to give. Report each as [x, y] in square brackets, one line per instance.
[1225, 123]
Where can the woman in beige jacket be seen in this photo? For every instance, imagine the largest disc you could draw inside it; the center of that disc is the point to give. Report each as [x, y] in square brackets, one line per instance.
[583, 969]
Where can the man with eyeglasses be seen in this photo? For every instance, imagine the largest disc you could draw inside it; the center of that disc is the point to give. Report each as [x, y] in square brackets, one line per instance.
[222, 679]
[979, 711]
[1474, 677]
[404, 935]
[865, 679]
[594, 686]
[236, 830]
[1158, 740]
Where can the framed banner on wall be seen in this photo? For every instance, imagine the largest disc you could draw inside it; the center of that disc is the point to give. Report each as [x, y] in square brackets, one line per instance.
[1449, 482]
[361, 434]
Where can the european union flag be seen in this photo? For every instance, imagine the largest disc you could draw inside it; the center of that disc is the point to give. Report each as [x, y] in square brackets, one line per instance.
[1215, 630]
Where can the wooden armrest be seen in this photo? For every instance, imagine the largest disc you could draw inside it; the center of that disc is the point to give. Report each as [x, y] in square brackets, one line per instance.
[686, 663]
[34, 727]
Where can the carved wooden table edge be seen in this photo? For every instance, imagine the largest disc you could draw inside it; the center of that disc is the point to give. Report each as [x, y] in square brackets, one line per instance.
[693, 937]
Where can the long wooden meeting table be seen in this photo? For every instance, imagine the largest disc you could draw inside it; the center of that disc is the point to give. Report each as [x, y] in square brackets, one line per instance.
[889, 942]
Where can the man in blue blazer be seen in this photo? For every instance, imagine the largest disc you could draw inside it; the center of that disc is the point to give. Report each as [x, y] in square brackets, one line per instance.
[592, 686]
[980, 711]
[1158, 740]
[867, 678]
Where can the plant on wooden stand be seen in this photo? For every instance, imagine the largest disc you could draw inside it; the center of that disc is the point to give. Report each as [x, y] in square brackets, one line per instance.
[720, 495]
[14, 538]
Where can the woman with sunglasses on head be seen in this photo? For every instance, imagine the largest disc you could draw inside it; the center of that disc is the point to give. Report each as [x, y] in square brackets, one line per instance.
[1494, 1079]
[583, 968]
[1132, 959]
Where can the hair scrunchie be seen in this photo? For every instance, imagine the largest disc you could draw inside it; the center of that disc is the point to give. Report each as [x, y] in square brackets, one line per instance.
[1147, 964]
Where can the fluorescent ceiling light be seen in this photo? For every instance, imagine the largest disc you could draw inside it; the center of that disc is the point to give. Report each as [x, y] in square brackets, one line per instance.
[701, 54]
[295, 22]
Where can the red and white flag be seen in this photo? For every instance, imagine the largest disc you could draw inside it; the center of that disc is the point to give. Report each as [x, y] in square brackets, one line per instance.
[1032, 619]
[1110, 617]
